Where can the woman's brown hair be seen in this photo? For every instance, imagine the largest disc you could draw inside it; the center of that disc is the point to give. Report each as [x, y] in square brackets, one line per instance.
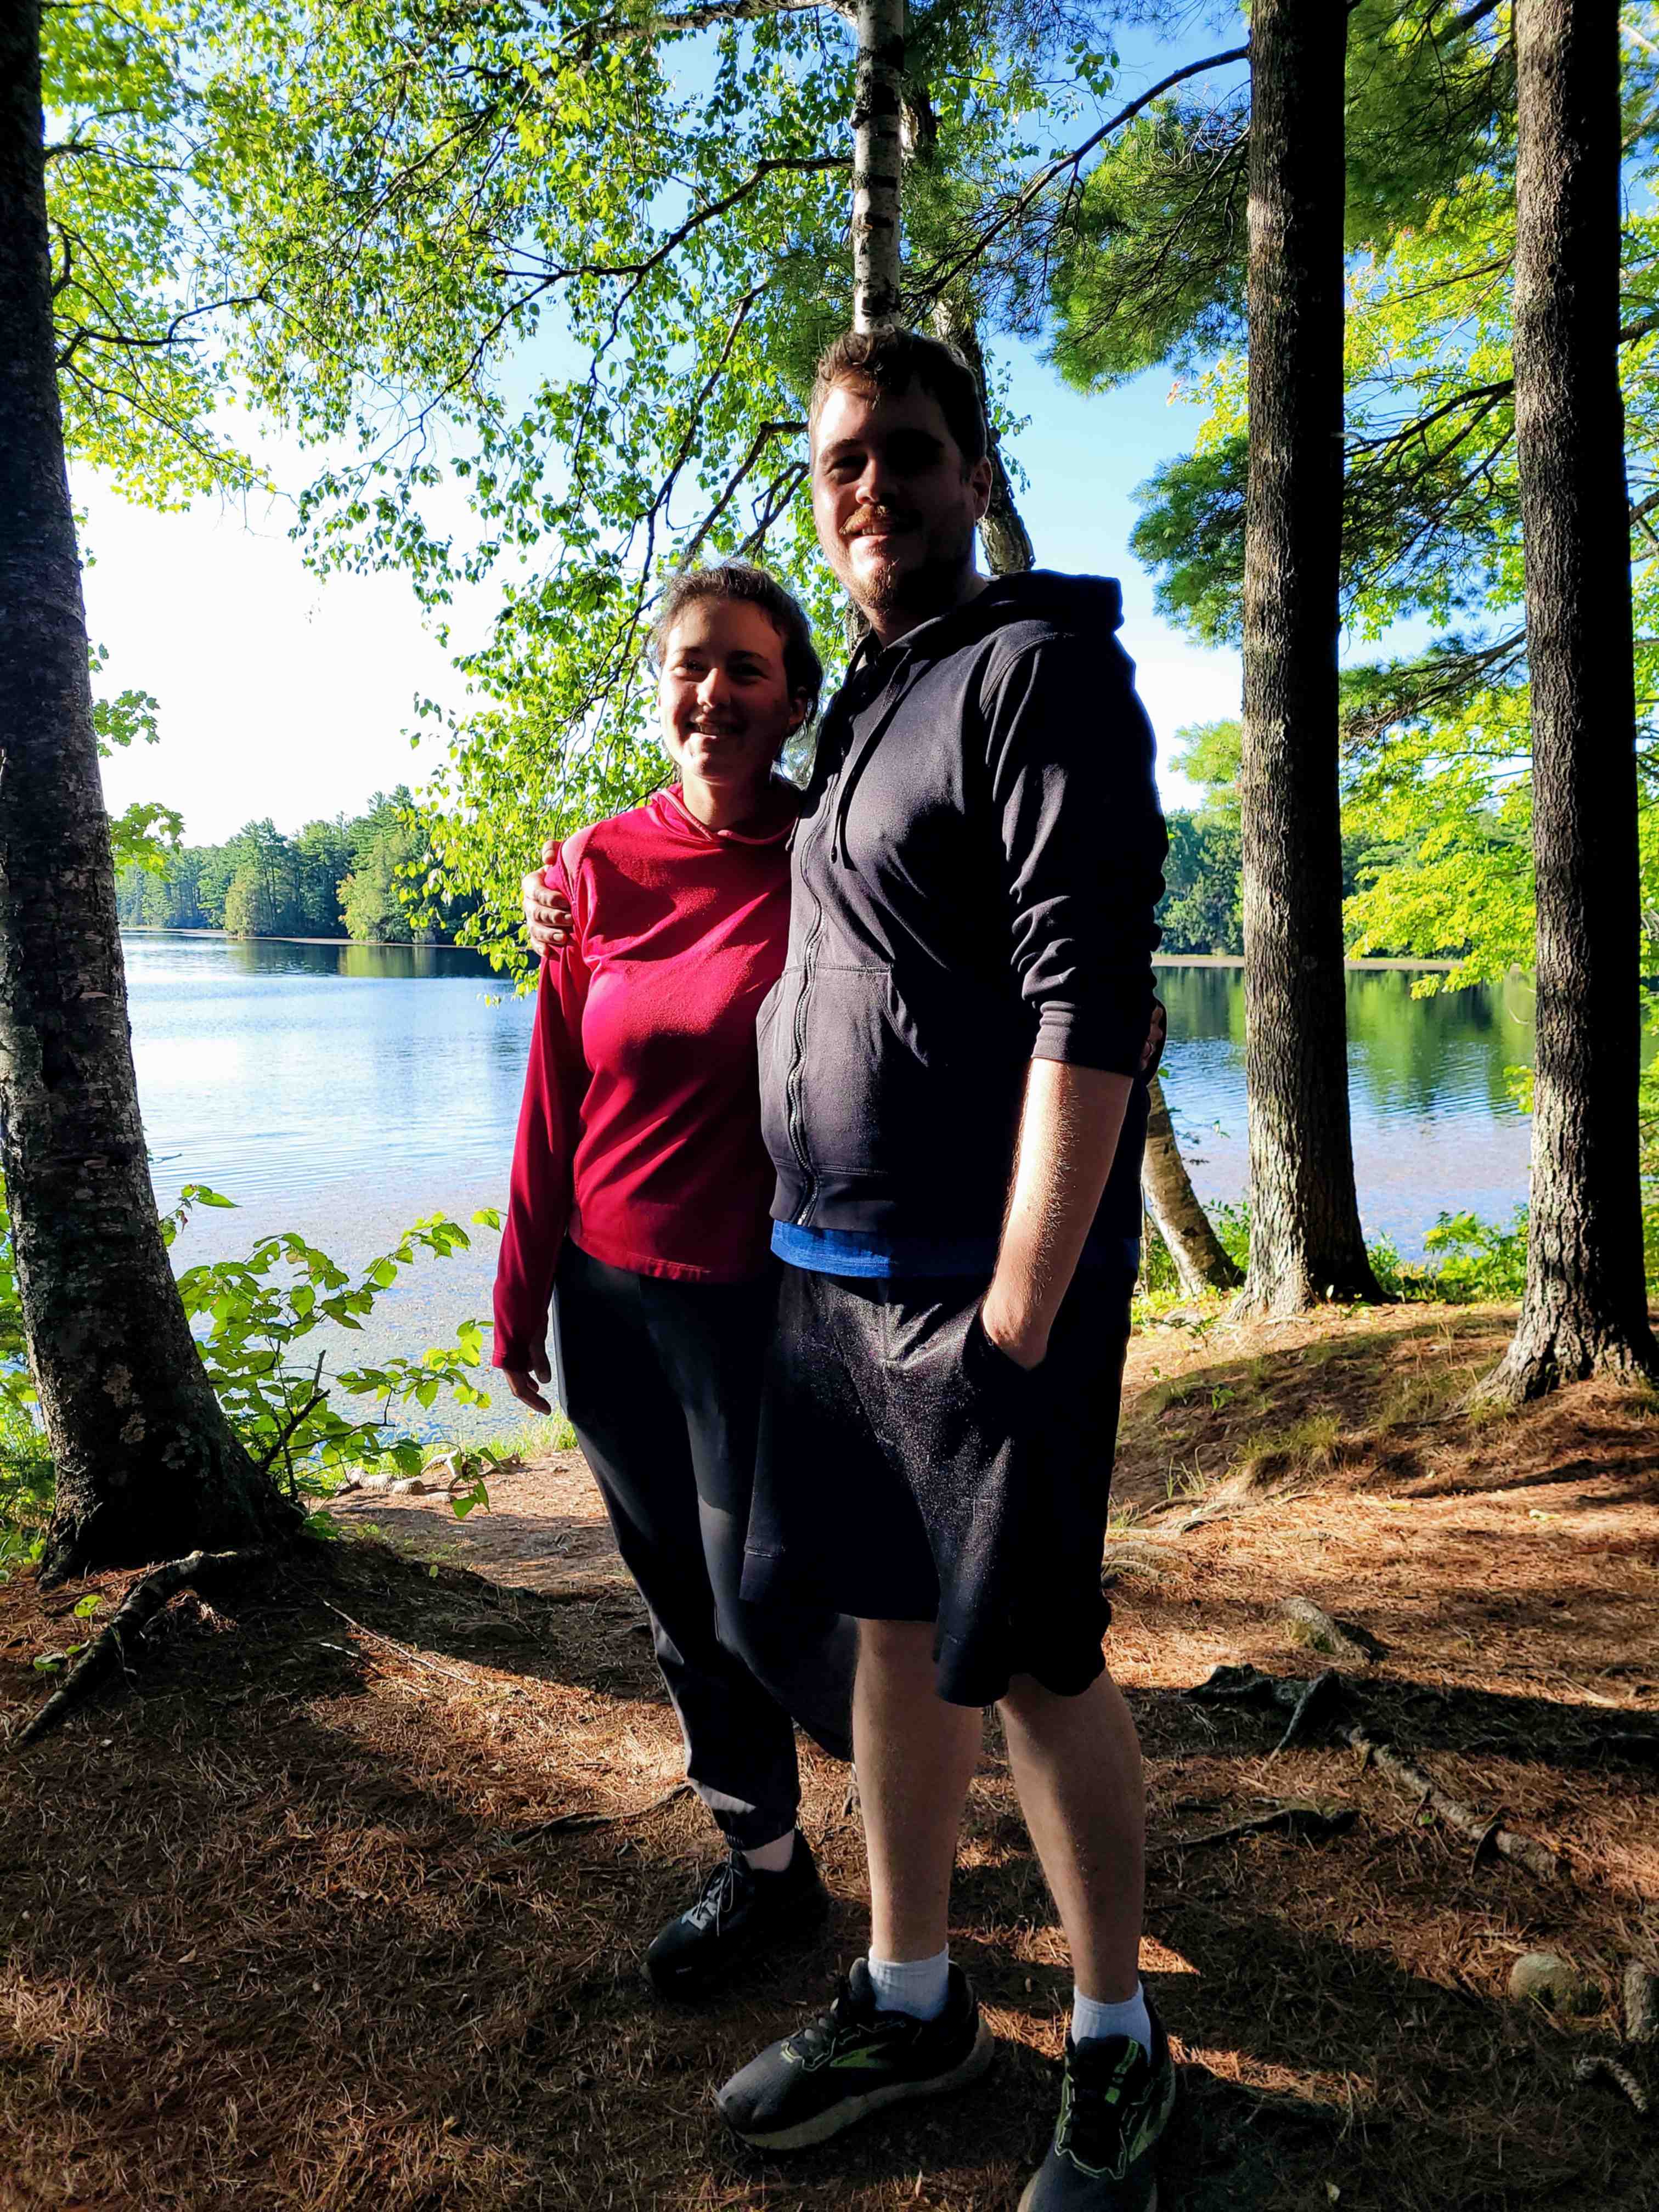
[742, 582]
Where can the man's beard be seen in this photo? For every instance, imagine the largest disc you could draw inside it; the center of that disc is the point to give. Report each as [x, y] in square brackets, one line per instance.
[928, 588]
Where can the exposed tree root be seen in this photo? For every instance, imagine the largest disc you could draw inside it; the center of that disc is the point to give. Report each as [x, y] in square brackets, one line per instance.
[1295, 1819]
[1311, 1625]
[1323, 1705]
[108, 1651]
[563, 1823]
[1641, 2004]
[1592, 2065]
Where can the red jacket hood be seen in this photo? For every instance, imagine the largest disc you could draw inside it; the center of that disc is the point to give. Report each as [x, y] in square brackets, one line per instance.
[777, 817]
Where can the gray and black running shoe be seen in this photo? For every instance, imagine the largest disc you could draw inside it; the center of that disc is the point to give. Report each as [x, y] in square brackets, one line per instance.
[739, 1910]
[854, 2060]
[1115, 2105]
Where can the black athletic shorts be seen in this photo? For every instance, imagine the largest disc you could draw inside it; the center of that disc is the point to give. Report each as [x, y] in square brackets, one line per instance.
[909, 1471]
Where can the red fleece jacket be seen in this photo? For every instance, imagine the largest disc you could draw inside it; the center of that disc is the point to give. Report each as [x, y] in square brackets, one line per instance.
[640, 1135]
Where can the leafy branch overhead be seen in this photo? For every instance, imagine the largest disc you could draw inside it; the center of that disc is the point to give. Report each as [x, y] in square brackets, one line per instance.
[545, 290]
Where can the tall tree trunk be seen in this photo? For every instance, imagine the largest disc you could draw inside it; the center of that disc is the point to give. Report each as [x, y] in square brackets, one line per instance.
[1305, 1241]
[147, 1464]
[877, 163]
[1201, 1259]
[1584, 1310]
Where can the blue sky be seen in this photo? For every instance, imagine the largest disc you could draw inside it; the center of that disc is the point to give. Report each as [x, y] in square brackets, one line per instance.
[287, 696]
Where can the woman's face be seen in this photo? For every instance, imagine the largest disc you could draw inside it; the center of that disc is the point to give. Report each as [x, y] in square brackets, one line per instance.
[723, 696]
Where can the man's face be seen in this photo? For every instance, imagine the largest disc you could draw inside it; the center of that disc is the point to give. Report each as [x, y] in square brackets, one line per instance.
[894, 502]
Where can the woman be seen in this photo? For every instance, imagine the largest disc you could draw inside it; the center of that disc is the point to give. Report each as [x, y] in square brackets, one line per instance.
[640, 1189]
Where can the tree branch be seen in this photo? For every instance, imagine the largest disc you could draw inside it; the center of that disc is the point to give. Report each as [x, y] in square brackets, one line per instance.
[1036, 186]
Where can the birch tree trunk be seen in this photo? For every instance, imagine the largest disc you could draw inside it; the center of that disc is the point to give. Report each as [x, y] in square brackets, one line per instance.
[1584, 1310]
[1201, 1259]
[1305, 1241]
[877, 163]
[146, 1465]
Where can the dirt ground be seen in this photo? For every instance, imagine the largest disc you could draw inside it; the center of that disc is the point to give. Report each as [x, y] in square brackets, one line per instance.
[340, 1902]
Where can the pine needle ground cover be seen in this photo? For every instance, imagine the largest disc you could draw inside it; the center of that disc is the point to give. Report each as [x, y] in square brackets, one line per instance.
[341, 1903]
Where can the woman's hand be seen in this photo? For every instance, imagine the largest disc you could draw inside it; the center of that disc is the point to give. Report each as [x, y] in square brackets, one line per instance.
[522, 1383]
[547, 924]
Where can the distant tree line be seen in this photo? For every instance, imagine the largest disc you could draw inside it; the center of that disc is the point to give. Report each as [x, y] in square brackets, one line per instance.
[1203, 905]
[362, 877]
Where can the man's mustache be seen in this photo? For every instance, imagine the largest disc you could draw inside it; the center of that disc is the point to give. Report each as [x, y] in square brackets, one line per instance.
[886, 518]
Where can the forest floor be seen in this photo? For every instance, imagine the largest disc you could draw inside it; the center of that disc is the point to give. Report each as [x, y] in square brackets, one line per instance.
[341, 1903]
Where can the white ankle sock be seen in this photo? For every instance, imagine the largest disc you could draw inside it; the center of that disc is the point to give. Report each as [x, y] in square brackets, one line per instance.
[773, 1857]
[918, 1986]
[1091, 2019]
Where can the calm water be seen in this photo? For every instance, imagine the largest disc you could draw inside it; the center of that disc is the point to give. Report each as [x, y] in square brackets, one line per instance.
[345, 1090]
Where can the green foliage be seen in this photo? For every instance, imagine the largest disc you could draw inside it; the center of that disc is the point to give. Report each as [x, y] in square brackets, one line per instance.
[135, 206]
[250, 1318]
[26, 1487]
[1201, 908]
[251, 1315]
[1436, 764]
[1482, 1261]
[362, 877]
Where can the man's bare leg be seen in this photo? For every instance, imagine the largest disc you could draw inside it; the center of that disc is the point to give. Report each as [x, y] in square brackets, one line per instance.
[915, 1756]
[1076, 1764]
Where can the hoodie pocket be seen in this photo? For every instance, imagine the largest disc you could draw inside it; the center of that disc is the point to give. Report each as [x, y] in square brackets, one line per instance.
[884, 1088]
[774, 1026]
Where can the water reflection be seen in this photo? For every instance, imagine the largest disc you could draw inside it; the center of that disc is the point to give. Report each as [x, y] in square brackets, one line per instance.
[346, 1090]
[161, 953]
[1435, 1123]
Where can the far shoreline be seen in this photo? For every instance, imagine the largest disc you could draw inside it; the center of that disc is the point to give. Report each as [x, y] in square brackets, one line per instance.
[404, 945]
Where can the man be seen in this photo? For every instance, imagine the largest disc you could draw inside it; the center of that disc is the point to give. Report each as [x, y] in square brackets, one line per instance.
[949, 1076]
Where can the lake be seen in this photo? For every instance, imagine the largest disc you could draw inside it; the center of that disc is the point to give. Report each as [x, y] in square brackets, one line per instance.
[346, 1090]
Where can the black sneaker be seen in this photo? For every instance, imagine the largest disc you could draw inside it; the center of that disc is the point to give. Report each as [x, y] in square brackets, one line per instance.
[1115, 2105]
[852, 2060]
[739, 1910]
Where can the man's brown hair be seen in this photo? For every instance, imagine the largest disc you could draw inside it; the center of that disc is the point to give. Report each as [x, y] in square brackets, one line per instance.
[897, 361]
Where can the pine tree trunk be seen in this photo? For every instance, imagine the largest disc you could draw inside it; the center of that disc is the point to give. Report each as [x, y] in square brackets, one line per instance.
[1201, 1259]
[1305, 1241]
[877, 163]
[146, 1465]
[1584, 1310]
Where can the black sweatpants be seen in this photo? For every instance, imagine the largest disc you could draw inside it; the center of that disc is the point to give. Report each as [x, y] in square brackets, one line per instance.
[662, 1382]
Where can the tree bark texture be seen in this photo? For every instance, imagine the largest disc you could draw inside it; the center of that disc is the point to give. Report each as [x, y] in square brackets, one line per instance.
[1584, 1310]
[1305, 1241]
[1201, 1259]
[146, 1465]
[1003, 534]
[877, 163]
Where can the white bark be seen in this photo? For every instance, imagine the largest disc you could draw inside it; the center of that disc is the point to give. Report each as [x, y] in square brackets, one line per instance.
[878, 164]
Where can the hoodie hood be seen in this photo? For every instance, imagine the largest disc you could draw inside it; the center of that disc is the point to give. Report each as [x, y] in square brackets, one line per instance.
[771, 826]
[1090, 606]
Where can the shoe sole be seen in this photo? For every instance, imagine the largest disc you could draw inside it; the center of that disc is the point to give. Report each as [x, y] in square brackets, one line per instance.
[1027, 2195]
[852, 2110]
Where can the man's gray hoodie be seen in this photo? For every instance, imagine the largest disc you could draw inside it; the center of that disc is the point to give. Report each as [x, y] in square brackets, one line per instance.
[973, 883]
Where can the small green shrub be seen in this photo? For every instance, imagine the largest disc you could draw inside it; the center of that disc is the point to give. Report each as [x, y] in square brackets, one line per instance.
[250, 1318]
[1482, 1261]
[26, 1486]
